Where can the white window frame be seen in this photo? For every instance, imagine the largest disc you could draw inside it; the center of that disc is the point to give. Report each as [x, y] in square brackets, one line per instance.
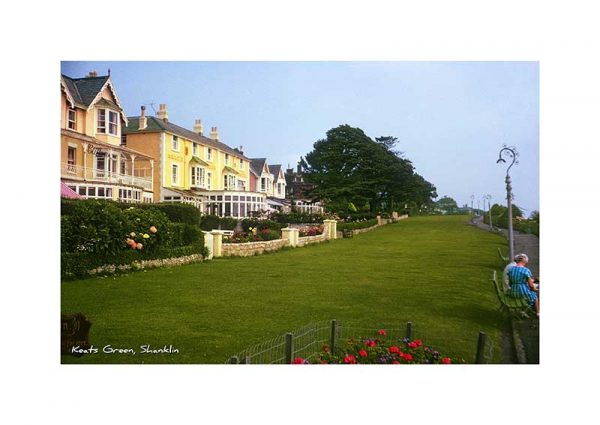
[208, 180]
[115, 124]
[208, 154]
[175, 173]
[226, 159]
[194, 149]
[197, 176]
[73, 121]
[241, 164]
[175, 143]
[101, 128]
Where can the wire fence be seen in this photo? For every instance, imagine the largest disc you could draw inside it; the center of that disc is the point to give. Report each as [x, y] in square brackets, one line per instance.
[309, 341]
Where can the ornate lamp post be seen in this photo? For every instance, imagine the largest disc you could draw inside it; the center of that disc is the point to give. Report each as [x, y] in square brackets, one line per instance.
[489, 199]
[472, 197]
[512, 154]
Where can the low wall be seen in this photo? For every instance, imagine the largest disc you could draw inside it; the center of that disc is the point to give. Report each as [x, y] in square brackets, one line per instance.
[252, 248]
[307, 240]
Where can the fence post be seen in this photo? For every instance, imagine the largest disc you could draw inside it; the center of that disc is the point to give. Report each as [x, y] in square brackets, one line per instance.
[289, 349]
[233, 360]
[332, 340]
[409, 330]
[479, 357]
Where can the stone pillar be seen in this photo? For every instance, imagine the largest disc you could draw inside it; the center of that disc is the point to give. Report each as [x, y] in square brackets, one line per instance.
[290, 234]
[379, 220]
[208, 243]
[395, 215]
[217, 241]
[330, 229]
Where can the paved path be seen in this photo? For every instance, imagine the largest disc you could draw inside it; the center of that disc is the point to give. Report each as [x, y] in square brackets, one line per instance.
[527, 330]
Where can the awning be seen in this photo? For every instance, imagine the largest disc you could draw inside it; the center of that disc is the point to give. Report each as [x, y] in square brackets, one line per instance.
[67, 192]
[199, 161]
[229, 170]
[271, 201]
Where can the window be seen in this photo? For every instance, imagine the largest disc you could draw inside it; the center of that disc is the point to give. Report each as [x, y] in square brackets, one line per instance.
[175, 174]
[226, 159]
[241, 185]
[71, 159]
[72, 116]
[175, 144]
[228, 182]
[124, 140]
[279, 185]
[241, 164]
[197, 176]
[100, 164]
[263, 184]
[208, 154]
[195, 149]
[113, 122]
[101, 121]
[208, 180]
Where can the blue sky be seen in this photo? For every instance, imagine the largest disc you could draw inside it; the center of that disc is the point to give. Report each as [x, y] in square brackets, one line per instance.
[451, 118]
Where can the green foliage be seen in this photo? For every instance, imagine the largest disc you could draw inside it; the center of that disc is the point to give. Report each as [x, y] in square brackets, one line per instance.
[349, 169]
[447, 205]
[500, 219]
[178, 212]
[100, 232]
[212, 222]
[356, 225]
[296, 218]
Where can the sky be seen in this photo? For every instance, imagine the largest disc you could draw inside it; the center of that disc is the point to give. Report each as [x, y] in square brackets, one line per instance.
[451, 118]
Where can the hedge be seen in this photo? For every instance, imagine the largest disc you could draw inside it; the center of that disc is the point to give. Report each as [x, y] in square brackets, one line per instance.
[78, 265]
[356, 225]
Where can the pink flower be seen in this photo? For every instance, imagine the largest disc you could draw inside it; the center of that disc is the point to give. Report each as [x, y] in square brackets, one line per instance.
[393, 349]
[446, 360]
[407, 357]
[139, 246]
[412, 345]
[350, 359]
[381, 332]
[363, 353]
[418, 342]
[370, 343]
[395, 362]
[153, 229]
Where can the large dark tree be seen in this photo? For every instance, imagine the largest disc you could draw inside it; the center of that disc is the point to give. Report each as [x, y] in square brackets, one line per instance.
[348, 167]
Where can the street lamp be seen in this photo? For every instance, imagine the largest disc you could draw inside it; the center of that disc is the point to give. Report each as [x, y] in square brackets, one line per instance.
[472, 197]
[511, 153]
[489, 199]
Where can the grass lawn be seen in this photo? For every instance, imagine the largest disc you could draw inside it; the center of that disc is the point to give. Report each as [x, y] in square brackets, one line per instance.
[433, 271]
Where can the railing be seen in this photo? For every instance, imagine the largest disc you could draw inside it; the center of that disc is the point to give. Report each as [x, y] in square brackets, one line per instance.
[308, 342]
[94, 174]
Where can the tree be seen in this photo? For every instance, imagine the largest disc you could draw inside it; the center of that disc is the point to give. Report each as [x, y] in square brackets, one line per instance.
[447, 205]
[349, 167]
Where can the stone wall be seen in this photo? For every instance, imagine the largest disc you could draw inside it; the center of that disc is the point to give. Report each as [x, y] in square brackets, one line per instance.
[307, 240]
[252, 248]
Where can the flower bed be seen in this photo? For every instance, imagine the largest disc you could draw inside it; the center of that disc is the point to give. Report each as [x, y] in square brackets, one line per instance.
[380, 351]
[310, 231]
[252, 235]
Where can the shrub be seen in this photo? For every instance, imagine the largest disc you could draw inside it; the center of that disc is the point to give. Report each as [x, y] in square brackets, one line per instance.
[296, 218]
[178, 212]
[356, 225]
[310, 231]
[378, 351]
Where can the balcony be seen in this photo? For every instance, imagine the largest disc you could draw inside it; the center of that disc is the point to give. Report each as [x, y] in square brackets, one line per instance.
[78, 172]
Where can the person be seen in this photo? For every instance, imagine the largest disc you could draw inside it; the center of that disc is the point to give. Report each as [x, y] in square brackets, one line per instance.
[522, 284]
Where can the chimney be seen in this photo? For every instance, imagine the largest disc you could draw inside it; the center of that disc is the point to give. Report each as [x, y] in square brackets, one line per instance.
[162, 112]
[241, 149]
[214, 133]
[198, 129]
[143, 119]
[92, 74]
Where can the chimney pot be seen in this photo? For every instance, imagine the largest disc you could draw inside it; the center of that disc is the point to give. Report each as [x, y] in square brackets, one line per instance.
[198, 128]
[162, 113]
[143, 120]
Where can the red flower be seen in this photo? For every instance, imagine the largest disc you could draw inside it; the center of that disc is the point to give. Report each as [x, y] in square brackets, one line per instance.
[418, 342]
[394, 349]
[395, 362]
[412, 345]
[370, 343]
[350, 359]
[381, 332]
[363, 353]
[298, 360]
[446, 360]
[407, 357]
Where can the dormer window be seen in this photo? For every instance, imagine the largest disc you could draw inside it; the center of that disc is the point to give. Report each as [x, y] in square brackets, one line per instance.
[113, 122]
[175, 144]
[226, 159]
[101, 121]
[71, 119]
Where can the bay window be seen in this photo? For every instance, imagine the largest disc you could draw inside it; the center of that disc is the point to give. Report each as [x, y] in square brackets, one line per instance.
[101, 128]
[113, 122]
[197, 177]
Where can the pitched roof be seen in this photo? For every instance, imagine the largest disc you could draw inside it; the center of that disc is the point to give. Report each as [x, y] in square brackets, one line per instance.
[275, 169]
[155, 124]
[84, 90]
[257, 165]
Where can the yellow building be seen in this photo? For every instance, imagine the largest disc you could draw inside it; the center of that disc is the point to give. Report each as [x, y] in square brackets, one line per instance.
[193, 168]
[94, 163]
